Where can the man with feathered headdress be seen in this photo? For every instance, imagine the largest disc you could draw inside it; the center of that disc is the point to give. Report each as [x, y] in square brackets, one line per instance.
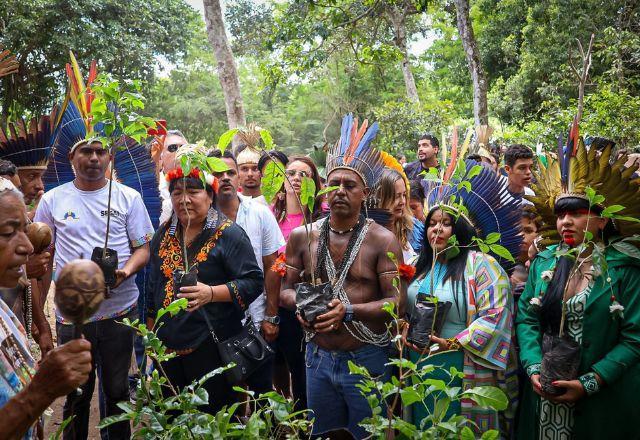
[28, 147]
[350, 253]
[78, 209]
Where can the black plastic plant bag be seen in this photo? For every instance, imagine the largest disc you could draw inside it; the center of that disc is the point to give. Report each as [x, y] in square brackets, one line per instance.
[108, 263]
[184, 279]
[313, 301]
[560, 361]
[427, 318]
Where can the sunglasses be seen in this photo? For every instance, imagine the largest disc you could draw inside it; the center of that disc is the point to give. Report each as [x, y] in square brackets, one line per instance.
[173, 148]
[292, 173]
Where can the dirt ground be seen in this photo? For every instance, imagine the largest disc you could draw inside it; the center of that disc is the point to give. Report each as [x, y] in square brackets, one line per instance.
[53, 423]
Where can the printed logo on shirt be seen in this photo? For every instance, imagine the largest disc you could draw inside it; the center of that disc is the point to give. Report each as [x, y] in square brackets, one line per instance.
[70, 215]
[114, 213]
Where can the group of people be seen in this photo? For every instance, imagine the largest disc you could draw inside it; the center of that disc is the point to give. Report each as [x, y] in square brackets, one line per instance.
[521, 254]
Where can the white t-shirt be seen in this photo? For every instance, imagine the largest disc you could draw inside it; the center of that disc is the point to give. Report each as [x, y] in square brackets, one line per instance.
[264, 233]
[165, 197]
[78, 221]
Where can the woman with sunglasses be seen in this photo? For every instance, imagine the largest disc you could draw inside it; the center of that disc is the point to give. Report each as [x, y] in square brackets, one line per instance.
[287, 207]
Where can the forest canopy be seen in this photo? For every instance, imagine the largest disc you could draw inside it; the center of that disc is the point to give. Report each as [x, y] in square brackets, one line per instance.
[302, 64]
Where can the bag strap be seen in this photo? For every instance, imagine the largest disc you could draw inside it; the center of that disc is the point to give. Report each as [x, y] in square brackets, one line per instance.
[213, 333]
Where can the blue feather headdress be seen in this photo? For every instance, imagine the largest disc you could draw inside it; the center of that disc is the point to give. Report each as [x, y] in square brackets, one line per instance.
[354, 151]
[29, 146]
[479, 198]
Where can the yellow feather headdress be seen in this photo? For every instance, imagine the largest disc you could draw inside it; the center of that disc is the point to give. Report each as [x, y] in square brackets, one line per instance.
[581, 170]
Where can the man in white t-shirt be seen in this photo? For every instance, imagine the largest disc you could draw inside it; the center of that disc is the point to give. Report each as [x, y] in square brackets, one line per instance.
[264, 233]
[76, 212]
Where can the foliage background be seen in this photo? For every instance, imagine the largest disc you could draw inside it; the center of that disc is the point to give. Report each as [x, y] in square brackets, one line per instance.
[301, 68]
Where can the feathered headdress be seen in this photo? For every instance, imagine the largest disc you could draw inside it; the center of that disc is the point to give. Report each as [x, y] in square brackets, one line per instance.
[133, 165]
[483, 134]
[354, 151]
[574, 171]
[250, 137]
[28, 146]
[477, 195]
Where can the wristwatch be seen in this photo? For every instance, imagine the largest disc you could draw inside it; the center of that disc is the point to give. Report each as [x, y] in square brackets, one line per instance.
[348, 315]
[275, 320]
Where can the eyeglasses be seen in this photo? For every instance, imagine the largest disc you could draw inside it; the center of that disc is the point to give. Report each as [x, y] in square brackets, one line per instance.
[292, 173]
[173, 148]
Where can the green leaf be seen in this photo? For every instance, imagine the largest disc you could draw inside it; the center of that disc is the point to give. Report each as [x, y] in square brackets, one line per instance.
[173, 308]
[409, 396]
[217, 165]
[627, 249]
[625, 218]
[488, 397]
[610, 210]
[492, 434]
[452, 252]
[267, 139]
[272, 180]
[492, 238]
[441, 407]
[357, 369]
[467, 434]
[326, 190]
[473, 172]
[501, 251]
[308, 193]
[225, 139]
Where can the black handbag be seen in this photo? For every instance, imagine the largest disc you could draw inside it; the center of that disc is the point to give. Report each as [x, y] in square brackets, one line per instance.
[248, 350]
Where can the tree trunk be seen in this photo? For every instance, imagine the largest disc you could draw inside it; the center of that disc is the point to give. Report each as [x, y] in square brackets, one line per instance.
[478, 77]
[397, 19]
[227, 72]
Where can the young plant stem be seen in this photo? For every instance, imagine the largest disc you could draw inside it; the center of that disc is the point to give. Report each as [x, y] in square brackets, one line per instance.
[307, 230]
[185, 229]
[106, 238]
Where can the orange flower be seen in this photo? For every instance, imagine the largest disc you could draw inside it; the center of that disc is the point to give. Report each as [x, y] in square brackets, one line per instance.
[280, 265]
[407, 271]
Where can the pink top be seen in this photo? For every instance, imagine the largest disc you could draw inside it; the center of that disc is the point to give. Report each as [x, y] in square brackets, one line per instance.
[290, 222]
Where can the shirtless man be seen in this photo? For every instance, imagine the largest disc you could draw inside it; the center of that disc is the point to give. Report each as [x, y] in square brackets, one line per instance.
[354, 328]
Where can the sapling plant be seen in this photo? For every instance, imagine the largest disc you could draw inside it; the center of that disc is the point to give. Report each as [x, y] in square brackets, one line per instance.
[115, 107]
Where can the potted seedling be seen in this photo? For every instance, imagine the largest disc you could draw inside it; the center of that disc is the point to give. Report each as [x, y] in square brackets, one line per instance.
[312, 297]
[114, 118]
[430, 314]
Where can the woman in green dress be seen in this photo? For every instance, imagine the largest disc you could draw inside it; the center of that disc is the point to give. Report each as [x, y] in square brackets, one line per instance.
[478, 328]
[597, 287]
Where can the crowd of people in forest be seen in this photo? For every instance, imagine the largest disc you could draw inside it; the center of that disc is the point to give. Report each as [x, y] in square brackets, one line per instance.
[527, 254]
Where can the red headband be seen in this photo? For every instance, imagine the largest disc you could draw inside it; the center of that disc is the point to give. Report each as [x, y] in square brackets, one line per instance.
[195, 173]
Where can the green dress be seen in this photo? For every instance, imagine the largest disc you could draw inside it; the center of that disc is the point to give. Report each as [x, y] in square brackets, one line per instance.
[610, 348]
[556, 419]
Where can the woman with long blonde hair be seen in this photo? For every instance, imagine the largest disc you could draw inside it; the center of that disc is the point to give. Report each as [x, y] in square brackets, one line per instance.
[392, 196]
